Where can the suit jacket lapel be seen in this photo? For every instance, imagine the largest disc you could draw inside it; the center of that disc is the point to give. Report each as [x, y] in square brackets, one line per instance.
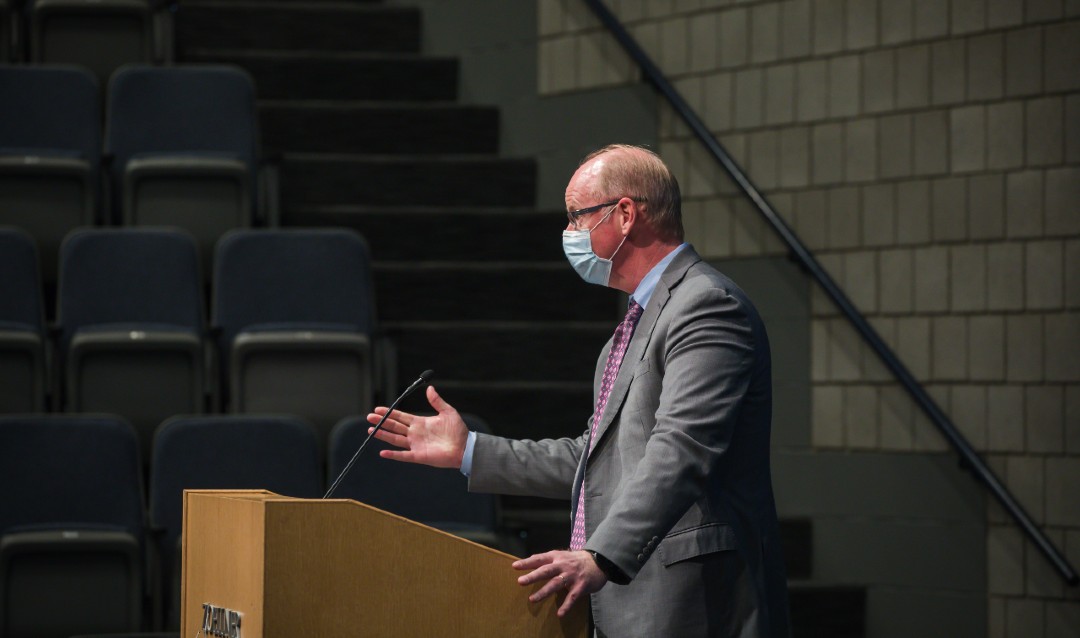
[635, 352]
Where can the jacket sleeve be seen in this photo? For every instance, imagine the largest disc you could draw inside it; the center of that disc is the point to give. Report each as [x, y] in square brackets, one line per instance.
[531, 468]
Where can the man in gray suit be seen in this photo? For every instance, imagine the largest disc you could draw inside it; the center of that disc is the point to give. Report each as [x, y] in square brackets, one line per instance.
[675, 530]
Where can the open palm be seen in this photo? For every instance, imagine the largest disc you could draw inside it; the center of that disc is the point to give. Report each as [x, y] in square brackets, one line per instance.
[437, 440]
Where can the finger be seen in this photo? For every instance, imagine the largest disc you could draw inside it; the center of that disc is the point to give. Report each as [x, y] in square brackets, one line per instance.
[392, 426]
[568, 602]
[378, 415]
[544, 573]
[396, 440]
[530, 578]
[553, 586]
[396, 420]
[399, 455]
[404, 418]
[436, 401]
[534, 561]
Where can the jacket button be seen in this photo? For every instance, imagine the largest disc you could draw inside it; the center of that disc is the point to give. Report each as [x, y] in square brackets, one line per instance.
[641, 558]
[652, 544]
[656, 539]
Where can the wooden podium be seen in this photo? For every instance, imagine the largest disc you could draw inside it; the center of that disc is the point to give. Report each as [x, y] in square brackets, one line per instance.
[328, 568]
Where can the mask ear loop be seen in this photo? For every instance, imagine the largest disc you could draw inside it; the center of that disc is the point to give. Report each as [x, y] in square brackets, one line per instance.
[612, 257]
[604, 218]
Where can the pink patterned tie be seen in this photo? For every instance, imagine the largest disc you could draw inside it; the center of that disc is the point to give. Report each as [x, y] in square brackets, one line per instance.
[618, 348]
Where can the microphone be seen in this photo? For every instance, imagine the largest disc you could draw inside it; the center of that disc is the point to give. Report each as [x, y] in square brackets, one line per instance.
[424, 376]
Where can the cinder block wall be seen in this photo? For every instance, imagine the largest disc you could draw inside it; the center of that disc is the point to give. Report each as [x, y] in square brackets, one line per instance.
[928, 151]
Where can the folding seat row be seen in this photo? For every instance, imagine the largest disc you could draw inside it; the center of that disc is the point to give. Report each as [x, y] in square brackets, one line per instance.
[74, 533]
[180, 148]
[292, 330]
[101, 35]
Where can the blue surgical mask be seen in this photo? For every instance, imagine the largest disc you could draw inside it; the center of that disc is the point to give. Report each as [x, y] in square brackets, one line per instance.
[577, 244]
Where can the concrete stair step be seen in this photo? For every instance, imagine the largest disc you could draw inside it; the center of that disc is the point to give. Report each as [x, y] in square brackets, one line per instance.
[797, 539]
[335, 26]
[390, 180]
[444, 234]
[320, 75]
[827, 611]
[399, 128]
[454, 292]
[486, 351]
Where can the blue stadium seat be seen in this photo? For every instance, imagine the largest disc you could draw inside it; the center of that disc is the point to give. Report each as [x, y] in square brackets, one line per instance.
[295, 315]
[71, 526]
[275, 453]
[50, 153]
[184, 148]
[22, 326]
[101, 35]
[7, 26]
[131, 332]
[433, 496]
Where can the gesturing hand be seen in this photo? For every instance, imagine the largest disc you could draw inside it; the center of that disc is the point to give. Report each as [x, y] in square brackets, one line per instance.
[437, 440]
[576, 572]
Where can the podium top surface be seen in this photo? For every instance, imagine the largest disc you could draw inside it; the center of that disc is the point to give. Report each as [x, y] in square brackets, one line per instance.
[268, 497]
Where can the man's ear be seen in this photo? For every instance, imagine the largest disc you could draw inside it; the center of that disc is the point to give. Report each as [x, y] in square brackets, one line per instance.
[628, 215]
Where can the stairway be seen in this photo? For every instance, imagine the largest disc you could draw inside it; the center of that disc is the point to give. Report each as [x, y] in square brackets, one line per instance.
[470, 276]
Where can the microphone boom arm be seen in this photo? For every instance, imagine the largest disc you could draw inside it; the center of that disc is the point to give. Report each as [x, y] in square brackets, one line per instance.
[424, 376]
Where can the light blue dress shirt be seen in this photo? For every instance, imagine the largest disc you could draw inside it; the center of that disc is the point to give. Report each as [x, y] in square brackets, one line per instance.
[642, 295]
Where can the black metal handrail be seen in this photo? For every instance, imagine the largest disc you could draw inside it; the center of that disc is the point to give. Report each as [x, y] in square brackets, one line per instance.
[969, 457]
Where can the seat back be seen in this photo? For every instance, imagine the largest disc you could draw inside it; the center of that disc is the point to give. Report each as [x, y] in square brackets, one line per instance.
[50, 110]
[433, 496]
[292, 279]
[6, 18]
[70, 472]
[101, 35]
[132, 338]
[190, 111]
[21, 304]
[129, 277]
[276, 453]
[22, 325]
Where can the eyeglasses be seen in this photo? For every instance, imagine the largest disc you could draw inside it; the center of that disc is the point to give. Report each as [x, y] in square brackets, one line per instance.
[574, 215]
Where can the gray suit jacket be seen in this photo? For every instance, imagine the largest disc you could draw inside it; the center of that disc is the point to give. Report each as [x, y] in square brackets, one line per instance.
[678, 492]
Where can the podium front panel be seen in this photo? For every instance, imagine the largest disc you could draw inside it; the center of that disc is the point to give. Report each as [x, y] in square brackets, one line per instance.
[223, 557]
[341, 568]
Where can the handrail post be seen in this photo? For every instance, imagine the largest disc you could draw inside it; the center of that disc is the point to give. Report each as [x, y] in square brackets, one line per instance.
[970, 458]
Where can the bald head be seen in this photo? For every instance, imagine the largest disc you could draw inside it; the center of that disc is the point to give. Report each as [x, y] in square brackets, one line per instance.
[622, 170]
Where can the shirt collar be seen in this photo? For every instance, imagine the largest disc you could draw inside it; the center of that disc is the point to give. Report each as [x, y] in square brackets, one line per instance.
[645, 289]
